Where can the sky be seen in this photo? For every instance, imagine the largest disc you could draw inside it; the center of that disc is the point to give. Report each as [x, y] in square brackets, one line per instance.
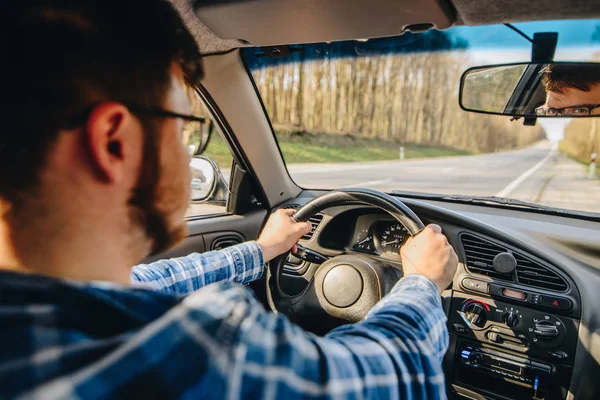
[502, 56]
[571, 33]
[554, 127]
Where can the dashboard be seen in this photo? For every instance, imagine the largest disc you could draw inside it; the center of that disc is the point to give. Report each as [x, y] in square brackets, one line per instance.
[514, 312]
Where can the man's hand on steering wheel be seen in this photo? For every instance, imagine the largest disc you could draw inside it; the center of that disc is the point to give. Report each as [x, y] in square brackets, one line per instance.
[430, 254]
[281, 233]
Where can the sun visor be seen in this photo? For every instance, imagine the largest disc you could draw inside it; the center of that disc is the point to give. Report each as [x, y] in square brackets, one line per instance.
[273, 22]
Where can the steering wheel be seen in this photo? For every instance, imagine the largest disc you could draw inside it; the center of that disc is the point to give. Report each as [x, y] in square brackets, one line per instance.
[344, 288]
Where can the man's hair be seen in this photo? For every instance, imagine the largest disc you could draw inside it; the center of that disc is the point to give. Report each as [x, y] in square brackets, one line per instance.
[558, 77]
[61, 57]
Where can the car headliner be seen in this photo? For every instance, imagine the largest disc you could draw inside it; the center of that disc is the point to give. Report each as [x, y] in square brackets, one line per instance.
[238, 21]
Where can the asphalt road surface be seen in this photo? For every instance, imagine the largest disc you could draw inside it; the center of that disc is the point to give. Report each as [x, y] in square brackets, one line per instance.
[539, 174]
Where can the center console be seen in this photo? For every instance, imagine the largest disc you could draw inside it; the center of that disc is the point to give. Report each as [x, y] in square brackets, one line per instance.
[509, 343]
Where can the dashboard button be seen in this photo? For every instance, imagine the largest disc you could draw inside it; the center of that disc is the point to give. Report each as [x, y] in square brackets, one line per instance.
[475, 285]
[494, 337]
[535, 298]
[510, 318]
[458, 328]
[474, 313]
[522, 336]
[556, 303]
[477, 358]
[561, 355]
[546, 330]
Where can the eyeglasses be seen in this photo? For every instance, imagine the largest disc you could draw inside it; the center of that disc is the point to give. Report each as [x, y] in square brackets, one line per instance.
[196, 131]
[575, 111]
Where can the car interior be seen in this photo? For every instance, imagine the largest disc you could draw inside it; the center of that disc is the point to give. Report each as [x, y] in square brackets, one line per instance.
[523, 309]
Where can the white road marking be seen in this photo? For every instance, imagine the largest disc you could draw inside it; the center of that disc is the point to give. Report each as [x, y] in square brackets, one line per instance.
[521, 178]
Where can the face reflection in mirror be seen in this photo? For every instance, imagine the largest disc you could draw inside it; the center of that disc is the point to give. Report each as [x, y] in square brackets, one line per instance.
[203, 176]
[576, 101]
[574, 91]
[533, 89]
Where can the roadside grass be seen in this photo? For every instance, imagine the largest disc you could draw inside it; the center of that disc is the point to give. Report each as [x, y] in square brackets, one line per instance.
[217, 150]
[585, 163]
[326, 148]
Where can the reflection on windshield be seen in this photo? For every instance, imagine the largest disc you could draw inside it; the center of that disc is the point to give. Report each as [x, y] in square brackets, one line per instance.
[385, 115]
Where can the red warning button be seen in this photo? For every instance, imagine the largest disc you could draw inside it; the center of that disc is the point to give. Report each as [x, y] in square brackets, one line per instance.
[556, 303]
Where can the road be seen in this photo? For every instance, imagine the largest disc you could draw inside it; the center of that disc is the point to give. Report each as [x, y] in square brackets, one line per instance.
[539, 174]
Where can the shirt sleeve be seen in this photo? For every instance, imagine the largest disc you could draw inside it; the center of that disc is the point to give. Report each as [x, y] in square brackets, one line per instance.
[220, 343]
[242, 263]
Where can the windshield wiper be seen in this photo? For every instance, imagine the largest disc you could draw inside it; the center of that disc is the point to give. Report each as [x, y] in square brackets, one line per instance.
[503, 201]
[477, 200]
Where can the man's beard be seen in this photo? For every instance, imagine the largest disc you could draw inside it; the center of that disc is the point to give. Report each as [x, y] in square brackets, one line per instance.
[152, 198]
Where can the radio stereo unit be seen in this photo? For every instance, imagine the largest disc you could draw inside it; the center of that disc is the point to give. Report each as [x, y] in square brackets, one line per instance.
[522, 371]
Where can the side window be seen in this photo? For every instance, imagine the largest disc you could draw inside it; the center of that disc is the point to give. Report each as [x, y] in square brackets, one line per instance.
[210, 170]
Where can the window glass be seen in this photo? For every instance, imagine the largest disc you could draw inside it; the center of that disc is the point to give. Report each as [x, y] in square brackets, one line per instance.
[209, 171]
[384, 114]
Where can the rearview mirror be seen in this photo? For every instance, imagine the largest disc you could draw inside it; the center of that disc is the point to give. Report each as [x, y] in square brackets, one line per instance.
[532, 90]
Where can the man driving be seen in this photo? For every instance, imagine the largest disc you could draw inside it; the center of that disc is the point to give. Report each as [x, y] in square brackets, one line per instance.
[95, 177]
[572, 90]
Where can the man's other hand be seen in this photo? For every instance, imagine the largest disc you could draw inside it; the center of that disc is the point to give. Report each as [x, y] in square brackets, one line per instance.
[281, 233]
[430, 254]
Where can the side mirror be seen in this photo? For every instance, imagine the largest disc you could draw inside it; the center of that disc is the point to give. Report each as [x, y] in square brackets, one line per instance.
[532, 90]
[208, 183]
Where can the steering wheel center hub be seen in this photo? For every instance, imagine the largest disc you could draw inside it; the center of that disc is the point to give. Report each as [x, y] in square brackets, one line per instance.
[343, 285]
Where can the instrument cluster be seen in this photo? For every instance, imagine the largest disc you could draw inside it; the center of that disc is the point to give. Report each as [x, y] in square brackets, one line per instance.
[380, 238]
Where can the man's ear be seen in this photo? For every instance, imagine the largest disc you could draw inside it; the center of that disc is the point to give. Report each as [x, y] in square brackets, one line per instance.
[110, 139]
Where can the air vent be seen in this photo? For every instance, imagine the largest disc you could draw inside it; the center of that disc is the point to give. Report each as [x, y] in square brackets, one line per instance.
[315, 220]
[532, 273]
[480, 254]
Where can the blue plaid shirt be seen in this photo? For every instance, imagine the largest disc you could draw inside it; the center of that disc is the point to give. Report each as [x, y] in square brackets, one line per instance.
[188, 339]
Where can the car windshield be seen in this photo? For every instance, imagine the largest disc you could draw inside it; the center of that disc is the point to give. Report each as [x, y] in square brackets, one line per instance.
[384, 114]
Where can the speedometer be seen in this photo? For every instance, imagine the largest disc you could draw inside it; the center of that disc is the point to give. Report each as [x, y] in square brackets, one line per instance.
[393, 237]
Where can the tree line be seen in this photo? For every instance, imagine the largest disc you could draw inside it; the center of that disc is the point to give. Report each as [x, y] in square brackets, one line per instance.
[401, 98]
[582, 138]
